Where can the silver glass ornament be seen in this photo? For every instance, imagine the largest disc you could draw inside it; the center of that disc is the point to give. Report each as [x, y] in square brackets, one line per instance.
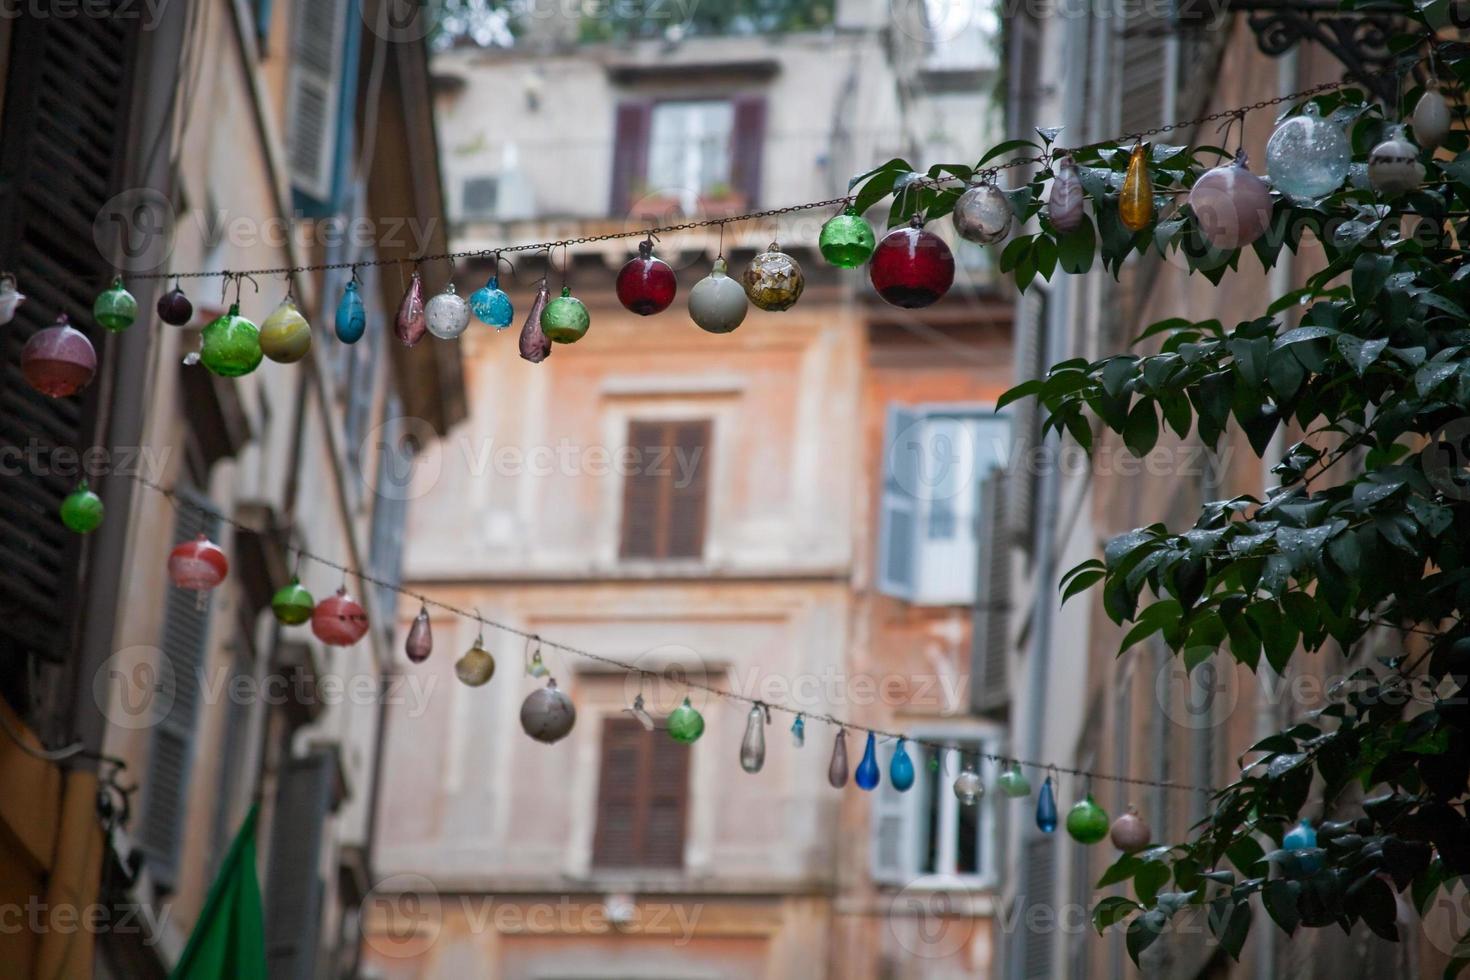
[448, 314]
[982, 215]
[547, 714]
[1307, 156]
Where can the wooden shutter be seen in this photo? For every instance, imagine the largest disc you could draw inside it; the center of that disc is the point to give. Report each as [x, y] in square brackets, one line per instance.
[665, 495]
[897, 516]
[990, 639]
[184, 645]
[630, 153]
[1142, 71]
[314, 96]
[390, 513]
[1031, 362]
[294, 886]
[66, 93]
[1038, 877]
[642, 798]
[748, 148]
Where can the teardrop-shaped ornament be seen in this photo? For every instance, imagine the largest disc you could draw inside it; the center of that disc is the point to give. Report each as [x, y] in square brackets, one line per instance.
[837, 768]
[1431, 117]
[492, 305]
[753, 745]
[1136, 202]
[535, 345]
[285, 336]
[447, 314]
[420, 641]
[798, 732]
[867, 774]
[901, 769]
[1064, 202]
[1046, 808]
[410, 325]
[351, 318]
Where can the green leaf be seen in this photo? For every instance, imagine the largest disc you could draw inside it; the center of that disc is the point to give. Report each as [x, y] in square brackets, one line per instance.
[1279, 896]
[1112, 910]
[1076, 249]
[1149, 879]
[1023, 390]
[1360, 354]
[1370, 272]
[1120, 870]
[1142, 431]
[1001, 149]
[1432, 375]
[1081, 583]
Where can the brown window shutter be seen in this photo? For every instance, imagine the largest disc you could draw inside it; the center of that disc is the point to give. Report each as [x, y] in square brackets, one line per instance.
[642, 799]
[688, 478]
[643, 493]
[748, 147]
[665, 493]
[630, 153]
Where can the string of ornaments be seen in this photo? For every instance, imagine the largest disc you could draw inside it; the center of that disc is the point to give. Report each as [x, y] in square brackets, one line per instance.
[1307, 158]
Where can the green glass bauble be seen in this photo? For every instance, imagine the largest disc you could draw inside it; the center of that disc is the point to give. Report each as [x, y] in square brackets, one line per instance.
[1013, 783]
[292, 604]
[81, 510]
[847, 239]
[686, 724]
[565, 320]
[1087, 822]
[231, 345]
[115, 307]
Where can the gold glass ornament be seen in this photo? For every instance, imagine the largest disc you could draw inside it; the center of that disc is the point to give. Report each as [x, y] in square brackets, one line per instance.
[1136, 203]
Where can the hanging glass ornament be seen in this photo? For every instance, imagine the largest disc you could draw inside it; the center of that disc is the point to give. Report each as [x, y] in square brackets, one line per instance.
[476, 666]
[292, 604]
[339, 620]
[199, 565]
[901, 769]
[410, 325]
[641, 713]
[912, 268]
[1303, 837]
[1013, 783]
[536, 667]
[58, 360]
[1308, 157]
[773, 280]
[837, 768]
[231, 345]
[1431, 117]
[686, 724]
[1393, 166]
[547, 714]
[447, 314]
[717, 303]
[1231, 204]
[798, 732]
[753, 745]
[81, 510]
[285, 336]
[420, 640]
[1087, 822]
[492, 305]
[565, 319]
[1129, 833]
[847, 240]
[968, 788]
[1046, 808]
[174, 307]
[535, 345]
[867, 774]
[1136, 202]
[115, 308]
[351, 318]
[10, 298]
[646, 285]
[982, 215]
[1064, 202]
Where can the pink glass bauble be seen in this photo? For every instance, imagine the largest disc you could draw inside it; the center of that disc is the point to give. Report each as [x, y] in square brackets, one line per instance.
[420, 642]
[1231, 204]
[911, 267]
[1129, 833]
[199, 565]
[646, 285]
[1064, 203]
[58, 360]
[339, 620]
[411, 323]
[535, 345]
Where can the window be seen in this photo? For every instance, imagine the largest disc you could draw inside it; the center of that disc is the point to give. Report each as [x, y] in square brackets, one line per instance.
[642, 799]
[664, 493]
[319, 100]
[480, 197]
[927, 831]
[704, 153]
[935, 462]
[689, 150]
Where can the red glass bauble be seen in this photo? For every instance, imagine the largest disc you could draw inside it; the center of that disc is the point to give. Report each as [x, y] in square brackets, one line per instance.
[199, 565]
[58, 360]
[646, 285]
[339, 620]
[912, 267]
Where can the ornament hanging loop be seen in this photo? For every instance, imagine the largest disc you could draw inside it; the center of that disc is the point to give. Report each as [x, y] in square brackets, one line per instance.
[355, 277]
[1234, 121]
[497, 259]
[239, 284]
[480, 635]
[224, 290]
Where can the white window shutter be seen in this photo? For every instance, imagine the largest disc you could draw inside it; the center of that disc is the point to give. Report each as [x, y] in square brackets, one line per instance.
[898, 516]
[1038, 876]
[895, 848]
[1031, 356]
[990, 631]
[318, 43]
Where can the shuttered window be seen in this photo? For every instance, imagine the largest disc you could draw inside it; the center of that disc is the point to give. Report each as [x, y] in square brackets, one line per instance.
[1032, 359]
[294, 886]
[1038, 890]
[184, 644]
[990, 629]
[665, 492]
[688, 150]
[1143, 71]
[643, 798]
[390, 513]
[319, 98]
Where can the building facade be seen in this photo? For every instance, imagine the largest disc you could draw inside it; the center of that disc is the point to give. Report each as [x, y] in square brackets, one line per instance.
[788, 511]
[205, 137]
